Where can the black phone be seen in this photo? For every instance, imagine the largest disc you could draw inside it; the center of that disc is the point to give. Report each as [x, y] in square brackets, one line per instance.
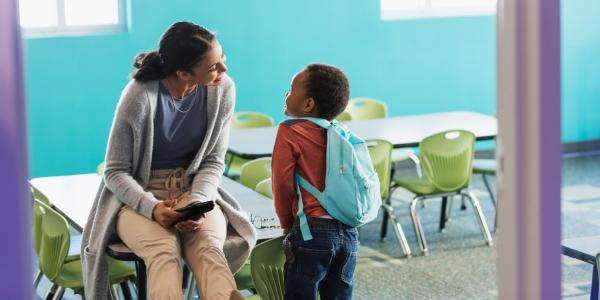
[194, 210]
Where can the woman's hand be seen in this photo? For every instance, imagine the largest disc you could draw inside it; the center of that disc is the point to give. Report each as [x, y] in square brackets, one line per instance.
[189, 225]
[164, 214]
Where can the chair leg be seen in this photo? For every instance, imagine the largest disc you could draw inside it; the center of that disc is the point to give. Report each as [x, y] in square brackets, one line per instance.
[190, 284]
[192, 289]
[126, 290]
[417, 225]
[50, 293]
[493, 198]
[384, 222]
[398, 230]
[114, 293]
[38, 278]
[449, 208]
[417, 162]
[489, 189]
[59, 293]
[483, 224]
[141, 279]
[443, 213]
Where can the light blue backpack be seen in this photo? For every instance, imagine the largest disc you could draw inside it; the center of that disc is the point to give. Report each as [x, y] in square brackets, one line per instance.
[351, 193]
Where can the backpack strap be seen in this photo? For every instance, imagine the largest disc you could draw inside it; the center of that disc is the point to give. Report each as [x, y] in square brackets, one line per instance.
[301, 182]
[321, 122]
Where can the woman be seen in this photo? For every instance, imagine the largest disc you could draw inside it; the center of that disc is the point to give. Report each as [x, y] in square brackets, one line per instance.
[166, 150]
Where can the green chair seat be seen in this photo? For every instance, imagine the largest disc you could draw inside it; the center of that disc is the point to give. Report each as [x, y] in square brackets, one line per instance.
[416, 185]
[70, 275]
[484, 166]
[264, 188]
[255, 171]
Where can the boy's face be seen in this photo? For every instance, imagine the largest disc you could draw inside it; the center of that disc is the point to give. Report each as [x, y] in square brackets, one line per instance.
[297, 104]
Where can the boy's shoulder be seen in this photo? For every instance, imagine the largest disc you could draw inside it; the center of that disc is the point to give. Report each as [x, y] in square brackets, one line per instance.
[291, 122]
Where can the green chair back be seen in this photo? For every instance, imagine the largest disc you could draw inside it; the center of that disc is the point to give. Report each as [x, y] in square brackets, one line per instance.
[255, 171]
[344, 116]
[447, 159]
[248, 119]
[365, 109]
[381, 157]
[54, 242]
[39, 210]
[266, 265]
[37, 194]
[264, 188]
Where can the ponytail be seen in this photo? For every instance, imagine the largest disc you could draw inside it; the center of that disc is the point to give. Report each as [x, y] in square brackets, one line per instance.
[149, 66]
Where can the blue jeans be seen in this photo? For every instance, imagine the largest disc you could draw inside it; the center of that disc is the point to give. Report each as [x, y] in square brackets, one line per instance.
[324, 264]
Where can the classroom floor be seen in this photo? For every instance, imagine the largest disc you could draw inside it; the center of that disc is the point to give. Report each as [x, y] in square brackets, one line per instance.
[459, 265]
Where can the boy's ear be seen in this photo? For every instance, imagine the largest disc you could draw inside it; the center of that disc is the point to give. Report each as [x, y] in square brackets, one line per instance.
[309, 105]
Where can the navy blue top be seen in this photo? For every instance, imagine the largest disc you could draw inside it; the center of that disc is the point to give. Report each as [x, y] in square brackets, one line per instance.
[179, 128]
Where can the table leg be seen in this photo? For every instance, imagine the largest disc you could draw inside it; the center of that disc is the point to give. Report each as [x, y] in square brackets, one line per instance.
[594, 293]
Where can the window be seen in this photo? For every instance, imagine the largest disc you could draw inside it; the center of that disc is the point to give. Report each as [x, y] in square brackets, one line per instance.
[412, 9]
[71, 17]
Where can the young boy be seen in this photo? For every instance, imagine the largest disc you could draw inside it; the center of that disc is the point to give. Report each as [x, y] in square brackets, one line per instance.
[326, 263]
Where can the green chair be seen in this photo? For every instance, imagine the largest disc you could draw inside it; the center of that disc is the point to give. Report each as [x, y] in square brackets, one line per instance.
[53, 249]
[344, 117]
[242, 120]
[37, 194]
[366, 109]
[447, 163]
[75, 245]
[380, 153]
[266, 264]
[264, 188]
[251, 173]
[255, 171]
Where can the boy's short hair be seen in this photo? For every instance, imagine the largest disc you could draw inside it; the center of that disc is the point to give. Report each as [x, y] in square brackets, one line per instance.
[330, 89]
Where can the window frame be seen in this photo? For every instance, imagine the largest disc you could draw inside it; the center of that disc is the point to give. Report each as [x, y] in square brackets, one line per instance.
[430, 12]
[62, 29]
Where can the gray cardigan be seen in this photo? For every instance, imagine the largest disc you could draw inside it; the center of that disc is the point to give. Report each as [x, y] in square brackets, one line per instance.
[128, 160]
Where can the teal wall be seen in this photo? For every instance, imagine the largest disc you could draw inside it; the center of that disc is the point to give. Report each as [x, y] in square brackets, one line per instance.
[580, 26]
[418, 66]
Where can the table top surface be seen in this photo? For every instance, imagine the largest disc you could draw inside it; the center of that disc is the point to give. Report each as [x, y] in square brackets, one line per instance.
[405, 131]
[73, 195]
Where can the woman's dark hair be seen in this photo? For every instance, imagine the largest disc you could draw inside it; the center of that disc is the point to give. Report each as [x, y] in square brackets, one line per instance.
[180, 48]
[330, 89]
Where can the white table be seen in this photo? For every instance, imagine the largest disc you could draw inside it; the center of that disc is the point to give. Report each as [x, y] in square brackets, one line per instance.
[406, 131]
[73, 196]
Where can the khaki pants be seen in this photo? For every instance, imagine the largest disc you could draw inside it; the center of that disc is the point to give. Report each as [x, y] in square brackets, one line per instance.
[161, 249]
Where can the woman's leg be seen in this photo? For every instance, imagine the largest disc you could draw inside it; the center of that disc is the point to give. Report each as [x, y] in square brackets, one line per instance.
[203, 251]
[160, 250]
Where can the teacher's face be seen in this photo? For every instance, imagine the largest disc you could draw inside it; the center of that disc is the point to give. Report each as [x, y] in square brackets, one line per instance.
[211, 69]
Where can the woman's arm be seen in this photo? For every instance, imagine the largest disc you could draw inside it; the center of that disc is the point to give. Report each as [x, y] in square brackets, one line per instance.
[120, 155]
[208, 177]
